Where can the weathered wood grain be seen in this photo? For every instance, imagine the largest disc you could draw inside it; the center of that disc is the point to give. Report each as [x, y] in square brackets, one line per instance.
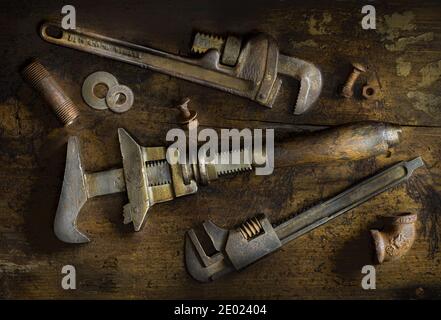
[119, 263]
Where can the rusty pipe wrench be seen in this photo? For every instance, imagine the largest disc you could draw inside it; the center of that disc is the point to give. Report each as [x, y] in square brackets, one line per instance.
[254, 76]
[255, 238]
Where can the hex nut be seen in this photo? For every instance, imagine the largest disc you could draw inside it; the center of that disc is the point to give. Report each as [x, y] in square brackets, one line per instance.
[369, 92]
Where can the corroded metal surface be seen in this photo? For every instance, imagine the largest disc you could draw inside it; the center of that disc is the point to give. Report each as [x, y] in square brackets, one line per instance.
[254, 76]
[256, 238]
[149, 179]
[41, 80]
[396, 239]
[402, 55]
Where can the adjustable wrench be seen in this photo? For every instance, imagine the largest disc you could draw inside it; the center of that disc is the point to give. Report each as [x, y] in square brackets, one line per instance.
[255, 75]
[255, 238]
[148, 178]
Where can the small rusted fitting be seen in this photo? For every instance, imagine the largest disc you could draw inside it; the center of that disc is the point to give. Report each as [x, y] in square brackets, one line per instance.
[187, 118]
[186, 115]
[396, 238]
[40, 79]
[369, 92]
[348, 88]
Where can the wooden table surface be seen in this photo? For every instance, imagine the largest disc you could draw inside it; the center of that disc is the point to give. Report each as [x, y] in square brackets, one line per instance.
[404, 58]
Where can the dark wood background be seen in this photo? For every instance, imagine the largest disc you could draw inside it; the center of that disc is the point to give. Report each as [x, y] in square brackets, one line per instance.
[404, 57]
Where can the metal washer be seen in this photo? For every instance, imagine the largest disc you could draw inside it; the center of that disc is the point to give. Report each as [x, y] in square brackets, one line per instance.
[99, 77]
[113, 95]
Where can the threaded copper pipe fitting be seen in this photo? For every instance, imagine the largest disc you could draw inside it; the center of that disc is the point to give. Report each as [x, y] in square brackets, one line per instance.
[40, 79]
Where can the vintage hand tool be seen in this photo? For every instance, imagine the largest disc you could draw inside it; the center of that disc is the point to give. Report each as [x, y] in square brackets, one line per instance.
[254, 76]
[255, 238]
[148, 178]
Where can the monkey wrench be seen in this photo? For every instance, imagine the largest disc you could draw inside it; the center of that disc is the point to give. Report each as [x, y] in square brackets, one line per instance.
[254, 75]
[237, 248]
[145, 176]
[148, 178]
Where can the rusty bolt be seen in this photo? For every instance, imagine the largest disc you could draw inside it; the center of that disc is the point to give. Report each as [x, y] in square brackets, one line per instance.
[186, 115]
[41, 80]
[347, 90]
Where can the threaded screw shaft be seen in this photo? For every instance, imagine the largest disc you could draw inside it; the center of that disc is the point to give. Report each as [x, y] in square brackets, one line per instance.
[203, 42]
[42, 81]
[226, 169]
[347, 90]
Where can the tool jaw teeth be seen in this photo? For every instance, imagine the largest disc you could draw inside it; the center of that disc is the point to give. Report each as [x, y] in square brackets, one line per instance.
[227, 169]
[203, 42]
[310, 78]
[231, 166]
[158, 172]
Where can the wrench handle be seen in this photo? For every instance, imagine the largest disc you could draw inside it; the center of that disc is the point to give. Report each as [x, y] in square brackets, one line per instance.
[346, 142]
[347, 200]
[205, 70]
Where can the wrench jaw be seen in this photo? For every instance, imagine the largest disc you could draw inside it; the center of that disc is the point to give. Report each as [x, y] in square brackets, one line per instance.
[310, 79]
[149, 178]
[72, 198]
[235, 249]
[201, 266]
[136, 180]
[257, 64]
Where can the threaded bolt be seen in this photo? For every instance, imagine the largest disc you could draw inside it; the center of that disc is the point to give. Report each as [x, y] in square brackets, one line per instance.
[226, 169]
[42, 81]
[203, 42]
[183, 107]
[347, 90]
[187, 115]
[229, 168]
